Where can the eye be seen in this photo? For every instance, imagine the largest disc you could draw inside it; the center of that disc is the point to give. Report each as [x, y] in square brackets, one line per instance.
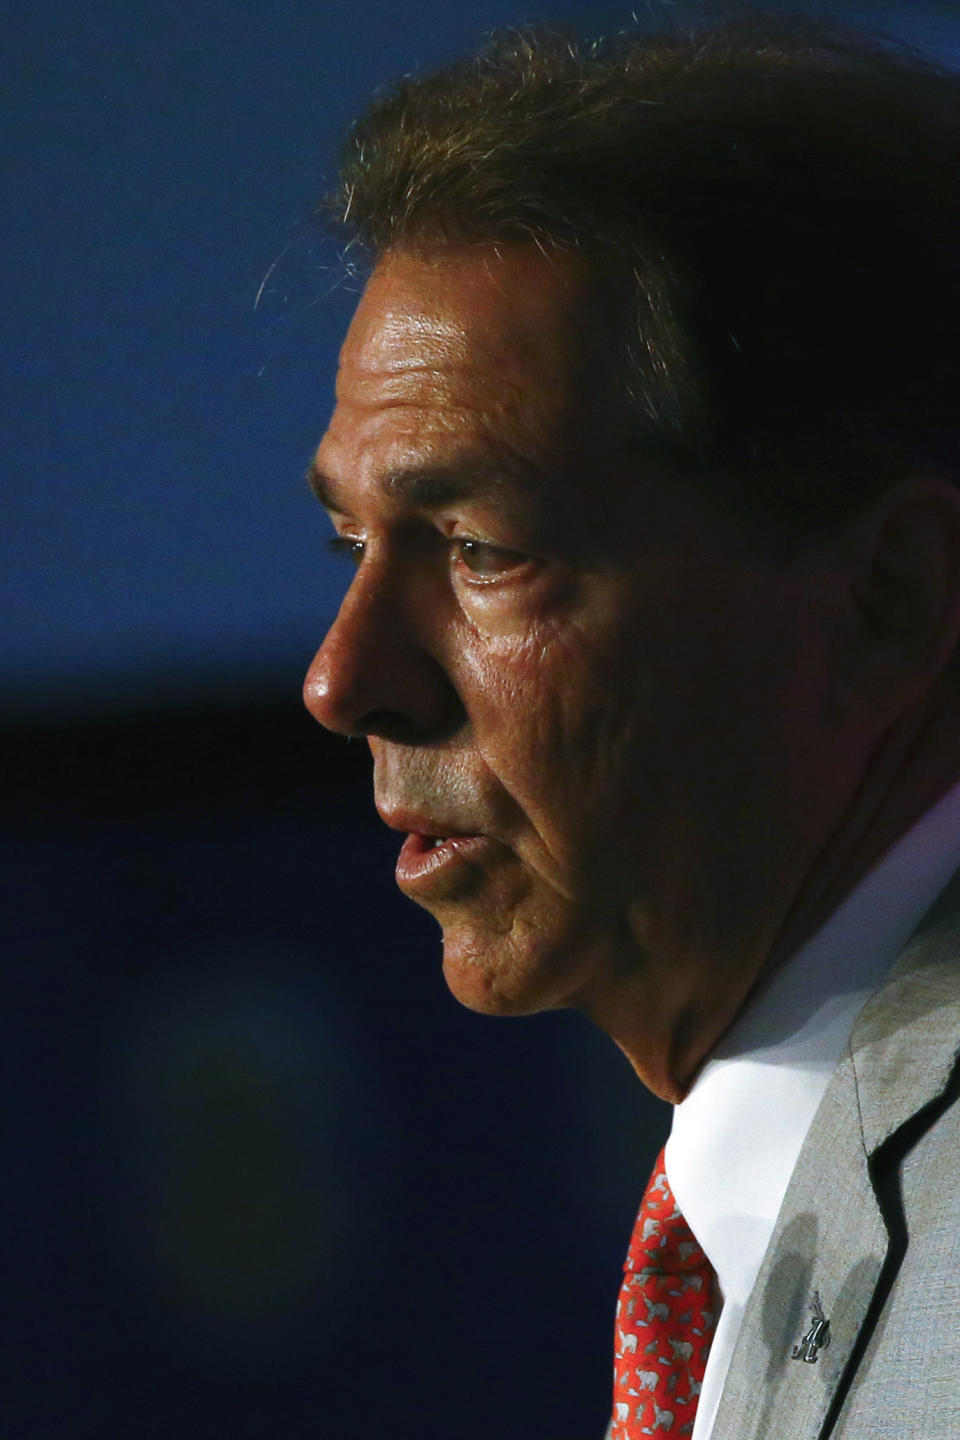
[486, 561]
[347, 546]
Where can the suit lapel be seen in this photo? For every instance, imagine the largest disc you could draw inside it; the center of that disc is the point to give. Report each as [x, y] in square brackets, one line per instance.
[831, 1236]
[905, 1041]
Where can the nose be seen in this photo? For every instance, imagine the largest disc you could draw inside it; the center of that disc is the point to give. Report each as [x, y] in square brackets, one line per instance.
[374, 676]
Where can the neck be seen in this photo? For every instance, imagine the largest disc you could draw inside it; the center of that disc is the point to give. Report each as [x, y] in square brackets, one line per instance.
[916, 762]
[667, 1009]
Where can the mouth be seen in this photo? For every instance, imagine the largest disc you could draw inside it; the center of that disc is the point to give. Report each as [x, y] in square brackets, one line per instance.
[429, 865]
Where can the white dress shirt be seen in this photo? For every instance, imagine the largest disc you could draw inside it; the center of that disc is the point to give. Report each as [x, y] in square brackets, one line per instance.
[737, 1135]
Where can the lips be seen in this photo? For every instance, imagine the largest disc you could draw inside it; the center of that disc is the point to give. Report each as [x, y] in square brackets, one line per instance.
[440, 854]
[429, 864]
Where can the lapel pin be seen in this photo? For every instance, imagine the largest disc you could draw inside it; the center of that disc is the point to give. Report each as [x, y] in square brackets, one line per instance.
[817, 1337]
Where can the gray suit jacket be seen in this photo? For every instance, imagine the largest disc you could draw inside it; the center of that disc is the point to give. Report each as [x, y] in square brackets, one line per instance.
[871, 1220]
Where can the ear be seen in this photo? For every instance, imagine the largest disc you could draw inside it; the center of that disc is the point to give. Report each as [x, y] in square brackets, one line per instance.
[903, 592]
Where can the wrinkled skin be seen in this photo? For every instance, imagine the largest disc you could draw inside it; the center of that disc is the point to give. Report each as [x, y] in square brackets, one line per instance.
[585, 661]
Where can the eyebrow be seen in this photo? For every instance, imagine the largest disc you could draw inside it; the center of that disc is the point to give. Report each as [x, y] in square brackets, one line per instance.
[430, 486]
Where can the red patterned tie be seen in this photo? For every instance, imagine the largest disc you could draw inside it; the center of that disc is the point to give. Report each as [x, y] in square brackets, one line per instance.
[665, 1318]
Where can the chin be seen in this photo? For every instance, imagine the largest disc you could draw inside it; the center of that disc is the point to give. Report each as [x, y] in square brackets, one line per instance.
[494, 975]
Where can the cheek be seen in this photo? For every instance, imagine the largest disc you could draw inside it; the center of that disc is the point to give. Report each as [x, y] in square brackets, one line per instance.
[558, 718]
[624, 731]
[526, 693]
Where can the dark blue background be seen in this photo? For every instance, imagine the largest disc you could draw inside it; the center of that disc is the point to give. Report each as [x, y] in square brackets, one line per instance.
[262, 1176]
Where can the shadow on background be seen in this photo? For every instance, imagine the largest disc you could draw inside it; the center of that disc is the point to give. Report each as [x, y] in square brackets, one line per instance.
[263, 1175]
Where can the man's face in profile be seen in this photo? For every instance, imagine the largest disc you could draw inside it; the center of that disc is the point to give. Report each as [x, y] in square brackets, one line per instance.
[579, 681]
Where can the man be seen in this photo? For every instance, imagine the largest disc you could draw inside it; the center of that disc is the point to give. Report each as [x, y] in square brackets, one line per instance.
[645, 451]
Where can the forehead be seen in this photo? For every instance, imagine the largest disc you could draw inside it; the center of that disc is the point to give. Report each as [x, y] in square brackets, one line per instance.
[511, 305]
[493, 345]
